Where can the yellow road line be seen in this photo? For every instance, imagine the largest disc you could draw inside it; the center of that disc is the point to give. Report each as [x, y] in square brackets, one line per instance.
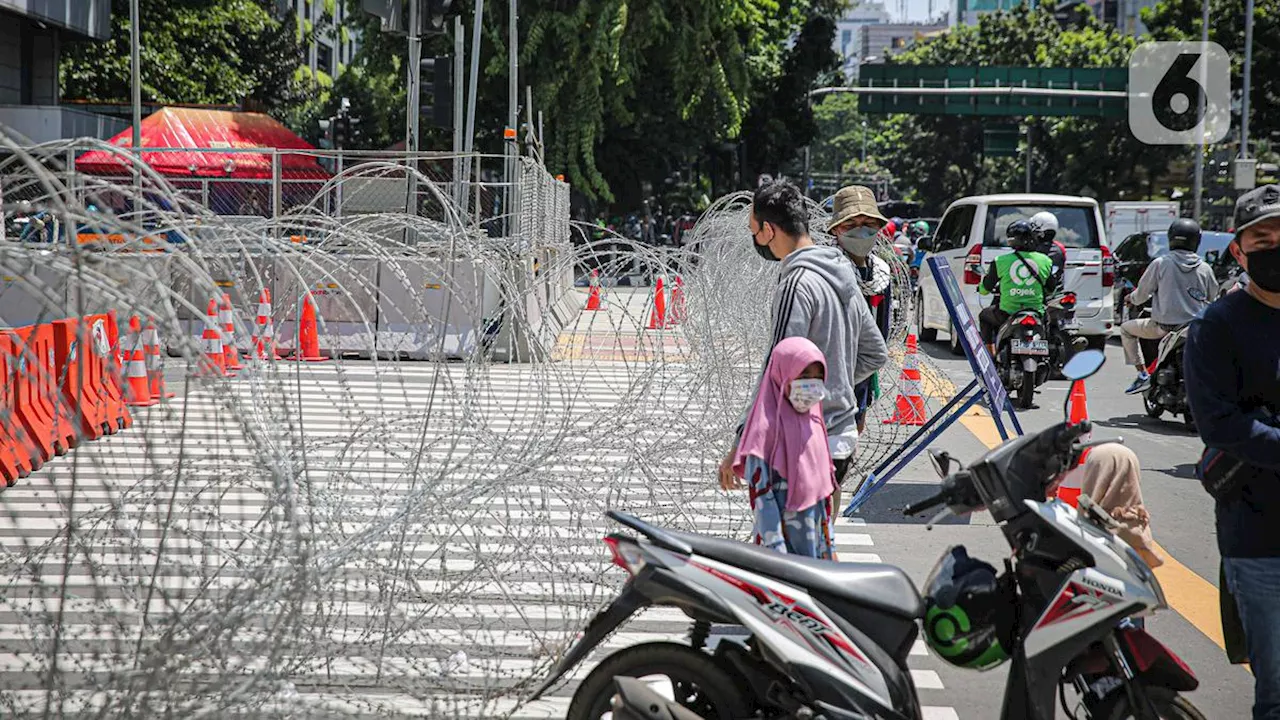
[1188, 594]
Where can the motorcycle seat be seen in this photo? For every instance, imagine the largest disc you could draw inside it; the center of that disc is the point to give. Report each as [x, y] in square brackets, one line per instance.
[881, 587]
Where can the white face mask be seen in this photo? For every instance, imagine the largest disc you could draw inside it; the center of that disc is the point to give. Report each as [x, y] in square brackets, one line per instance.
[805, 393]
[859, 240]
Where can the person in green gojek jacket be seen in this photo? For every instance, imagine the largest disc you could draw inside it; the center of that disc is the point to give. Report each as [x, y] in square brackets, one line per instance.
[1024, 278]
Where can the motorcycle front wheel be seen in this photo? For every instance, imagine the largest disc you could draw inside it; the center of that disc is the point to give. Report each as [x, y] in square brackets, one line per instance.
[695, 681]
[1154, 410]
[1168, 704]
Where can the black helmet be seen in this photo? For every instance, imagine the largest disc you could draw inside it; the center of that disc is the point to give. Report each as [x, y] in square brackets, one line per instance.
[1184, 234]
[968, 612]
[1021, 235]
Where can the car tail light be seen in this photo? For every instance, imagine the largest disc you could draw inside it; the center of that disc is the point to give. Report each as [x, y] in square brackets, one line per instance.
[1108, 267]
[625, 554]
[973, 266]
[1028, 321]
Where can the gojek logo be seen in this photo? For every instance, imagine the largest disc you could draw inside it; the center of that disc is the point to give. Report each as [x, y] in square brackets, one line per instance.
[1024, 282]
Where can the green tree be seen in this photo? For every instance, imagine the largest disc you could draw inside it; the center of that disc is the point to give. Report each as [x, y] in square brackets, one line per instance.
[194, 51]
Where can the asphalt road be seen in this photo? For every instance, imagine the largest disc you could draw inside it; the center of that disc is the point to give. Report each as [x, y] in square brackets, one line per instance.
[1182, 521]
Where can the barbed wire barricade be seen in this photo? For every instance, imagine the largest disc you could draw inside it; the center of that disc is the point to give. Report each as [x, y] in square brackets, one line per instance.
[403, 519]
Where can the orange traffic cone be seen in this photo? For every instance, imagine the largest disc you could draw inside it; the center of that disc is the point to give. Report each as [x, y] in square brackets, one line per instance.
[910, 409]
[226, 316]
[264, 329]
[658, 318]
[1077, 412]
[593, 298]
[137, 390]
[678, 314]
[155, 365]
[215, 360]
[308, 333]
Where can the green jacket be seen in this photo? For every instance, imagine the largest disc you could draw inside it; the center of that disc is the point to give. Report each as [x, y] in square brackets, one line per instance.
[1019, 289]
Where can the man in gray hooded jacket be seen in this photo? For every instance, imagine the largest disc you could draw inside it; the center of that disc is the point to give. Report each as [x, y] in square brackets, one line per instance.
[817, 297]
[1179, 284]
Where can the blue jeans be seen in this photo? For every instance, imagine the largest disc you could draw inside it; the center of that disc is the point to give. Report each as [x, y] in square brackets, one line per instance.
[1255, 583]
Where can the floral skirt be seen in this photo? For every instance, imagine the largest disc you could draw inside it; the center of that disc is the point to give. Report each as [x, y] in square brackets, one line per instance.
[804, 532]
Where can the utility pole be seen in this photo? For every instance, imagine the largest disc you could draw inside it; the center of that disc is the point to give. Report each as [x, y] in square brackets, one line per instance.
[864, 142]
[513, 114]
[470, 136]
[1248, 71]
[1030, 131]
[459, 80]
[412, 123]
[1198, 187]
[135, 73]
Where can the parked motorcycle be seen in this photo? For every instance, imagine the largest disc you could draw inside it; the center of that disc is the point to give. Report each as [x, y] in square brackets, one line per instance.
[830, 640]
[1168, 391]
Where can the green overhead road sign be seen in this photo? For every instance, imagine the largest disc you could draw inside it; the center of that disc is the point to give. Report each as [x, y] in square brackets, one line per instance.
[1000, 141]
[991, 91]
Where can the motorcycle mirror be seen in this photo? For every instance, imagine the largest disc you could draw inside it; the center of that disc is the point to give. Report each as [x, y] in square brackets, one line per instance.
[1083, 364]
[925, 243]
[941, 462]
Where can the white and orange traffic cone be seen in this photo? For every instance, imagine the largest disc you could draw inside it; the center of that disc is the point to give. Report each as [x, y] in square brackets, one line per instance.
[658, 318]
[909, 408]
[226, 316]
[264, 330]
[137, 388]
[155, 364]
[214, 360]
[1077, 412]
[678, 313]
[593, 297]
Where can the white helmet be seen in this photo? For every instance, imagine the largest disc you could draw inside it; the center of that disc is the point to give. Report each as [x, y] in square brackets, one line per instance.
[1044, 225]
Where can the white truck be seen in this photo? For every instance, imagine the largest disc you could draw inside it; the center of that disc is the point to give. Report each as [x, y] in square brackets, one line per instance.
[1129, 218]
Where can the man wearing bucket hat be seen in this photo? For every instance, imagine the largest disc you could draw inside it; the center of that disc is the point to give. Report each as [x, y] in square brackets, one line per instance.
[1232, 362]
[856, 224]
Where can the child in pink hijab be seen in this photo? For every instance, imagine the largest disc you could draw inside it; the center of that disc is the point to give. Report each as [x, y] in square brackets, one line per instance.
[783, 454]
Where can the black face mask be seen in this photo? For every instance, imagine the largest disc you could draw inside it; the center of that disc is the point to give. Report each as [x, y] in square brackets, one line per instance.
[1264, 268]
[763, 250]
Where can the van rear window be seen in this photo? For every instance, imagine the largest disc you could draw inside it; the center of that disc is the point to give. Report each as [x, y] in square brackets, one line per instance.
[1077, 226]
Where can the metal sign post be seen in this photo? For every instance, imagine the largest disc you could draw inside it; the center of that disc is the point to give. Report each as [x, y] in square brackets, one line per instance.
[986, 384]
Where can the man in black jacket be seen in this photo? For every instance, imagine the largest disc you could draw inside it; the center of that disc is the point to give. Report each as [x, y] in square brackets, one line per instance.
[1233, 385]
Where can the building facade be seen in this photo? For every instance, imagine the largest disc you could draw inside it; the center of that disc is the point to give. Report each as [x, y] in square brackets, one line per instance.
[847, 28]
[333, 46]
[877, 42]
[32, 34]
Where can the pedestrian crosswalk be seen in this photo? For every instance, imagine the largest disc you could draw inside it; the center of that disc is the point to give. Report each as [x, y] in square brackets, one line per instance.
[357, 539]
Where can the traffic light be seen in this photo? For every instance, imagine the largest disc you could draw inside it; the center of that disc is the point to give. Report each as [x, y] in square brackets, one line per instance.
[435, 90]
[436, 12]
[341, 131]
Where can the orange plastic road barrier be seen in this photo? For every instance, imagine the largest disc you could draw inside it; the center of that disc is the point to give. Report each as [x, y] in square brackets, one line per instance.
[38, 404]
[308, 332]
[226, 316]
[909, 408]
[1077, 412]
[678, 312]
[137, 387]
[16, 449]
[79, 376]
[155, 363]
[593, 298]
[118, 417]
[658, 318]
[106, 338]
[264, 329]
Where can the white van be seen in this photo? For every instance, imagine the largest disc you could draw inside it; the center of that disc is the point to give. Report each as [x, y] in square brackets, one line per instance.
[972, 234]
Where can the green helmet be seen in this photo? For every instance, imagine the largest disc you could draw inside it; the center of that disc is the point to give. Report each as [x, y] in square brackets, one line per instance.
[920, 227]
[968, 611]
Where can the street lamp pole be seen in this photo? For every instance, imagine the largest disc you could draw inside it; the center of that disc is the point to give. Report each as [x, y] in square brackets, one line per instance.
[1248, 67]
[864, 142]
[1198, 190]
[135, 79]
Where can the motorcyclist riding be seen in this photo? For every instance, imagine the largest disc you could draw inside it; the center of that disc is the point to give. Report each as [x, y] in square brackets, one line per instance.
[1179, 284]
[1044, 227]
[1024, 278]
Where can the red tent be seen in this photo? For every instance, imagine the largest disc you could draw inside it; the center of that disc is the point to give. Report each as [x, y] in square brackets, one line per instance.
[206, 132]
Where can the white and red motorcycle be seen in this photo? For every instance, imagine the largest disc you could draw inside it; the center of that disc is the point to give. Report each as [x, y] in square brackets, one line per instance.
[816, 639]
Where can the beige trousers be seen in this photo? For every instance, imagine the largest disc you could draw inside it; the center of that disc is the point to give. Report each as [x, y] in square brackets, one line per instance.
[1141, 329]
